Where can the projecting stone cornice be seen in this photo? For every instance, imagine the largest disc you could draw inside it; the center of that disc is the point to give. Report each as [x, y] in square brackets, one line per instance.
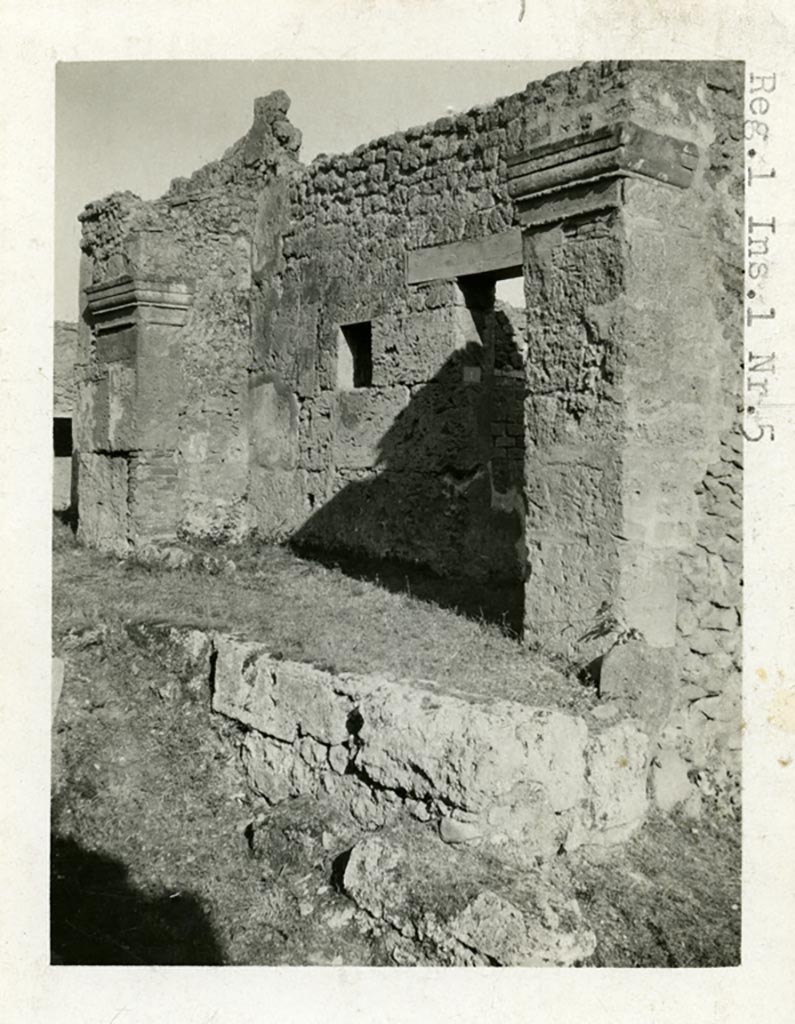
[584, 172]
[126, 299]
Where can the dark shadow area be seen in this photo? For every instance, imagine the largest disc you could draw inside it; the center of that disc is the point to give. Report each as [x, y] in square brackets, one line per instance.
[62, 437]
[67, 516]
[496, 601]
[433, 506]
[338, 866]
[98, 918]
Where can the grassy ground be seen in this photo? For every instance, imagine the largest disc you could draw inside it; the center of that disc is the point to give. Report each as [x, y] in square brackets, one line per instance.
[671, 898]
[152, 861]
[307, 611]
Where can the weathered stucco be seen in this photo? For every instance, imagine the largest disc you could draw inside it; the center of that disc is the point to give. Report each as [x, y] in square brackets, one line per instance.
[316, 353]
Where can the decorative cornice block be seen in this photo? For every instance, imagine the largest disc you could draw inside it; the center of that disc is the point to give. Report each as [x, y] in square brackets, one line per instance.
[124, 299]
[587, 163]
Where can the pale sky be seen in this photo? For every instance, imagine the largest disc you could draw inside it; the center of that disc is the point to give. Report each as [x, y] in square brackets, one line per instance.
[135, 125]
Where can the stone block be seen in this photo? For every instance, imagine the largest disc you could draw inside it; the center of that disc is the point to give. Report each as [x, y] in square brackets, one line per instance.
[450, 901]
[212, 498]
[62, 483]
[159, 387]
[277, 502]
[91, 419]
[281, 699]
[153, 497]
[362, 419]
[492, 253]
[122, 434]
[64, 357]
[617, 761]
[686, 619]
[466, 755]
[670, 784]
[412, 348]
[719, 618]
[451, 830]
[565, 582]
[316, 431]
[642, 675]
[647, 585]
[274, 770]
[704, 641]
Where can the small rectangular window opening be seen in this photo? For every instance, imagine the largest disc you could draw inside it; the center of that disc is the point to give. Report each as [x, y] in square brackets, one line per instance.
[62, 436]
[355, 356]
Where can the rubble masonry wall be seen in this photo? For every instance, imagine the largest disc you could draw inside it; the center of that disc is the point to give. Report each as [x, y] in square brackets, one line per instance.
[447, 456]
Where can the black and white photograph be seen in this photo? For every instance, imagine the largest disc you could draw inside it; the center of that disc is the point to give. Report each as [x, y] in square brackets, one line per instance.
[398, 405]
[398, 514]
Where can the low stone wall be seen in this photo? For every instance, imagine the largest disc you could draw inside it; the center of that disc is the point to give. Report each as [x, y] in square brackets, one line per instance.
[706, 723]
[515, 781]
[520, 780]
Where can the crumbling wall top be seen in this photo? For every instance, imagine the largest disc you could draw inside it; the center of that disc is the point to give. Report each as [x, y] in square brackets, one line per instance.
[271, 145]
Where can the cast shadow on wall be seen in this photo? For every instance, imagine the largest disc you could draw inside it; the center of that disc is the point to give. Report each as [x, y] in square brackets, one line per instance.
[432, 507]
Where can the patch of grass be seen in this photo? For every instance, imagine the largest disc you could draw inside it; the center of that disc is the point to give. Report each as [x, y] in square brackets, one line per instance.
[306, 611]
[150, 816]
[670, 898]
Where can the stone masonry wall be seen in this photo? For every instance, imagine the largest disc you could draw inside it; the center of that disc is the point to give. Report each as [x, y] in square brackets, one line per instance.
[635, 336]
[706, 715]
[201, 232]
[406, 467]
[281, 257]
[277, 268]
[311, 392]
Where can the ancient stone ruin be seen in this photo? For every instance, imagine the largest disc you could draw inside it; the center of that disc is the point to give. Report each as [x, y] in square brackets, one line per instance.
[317, 353]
